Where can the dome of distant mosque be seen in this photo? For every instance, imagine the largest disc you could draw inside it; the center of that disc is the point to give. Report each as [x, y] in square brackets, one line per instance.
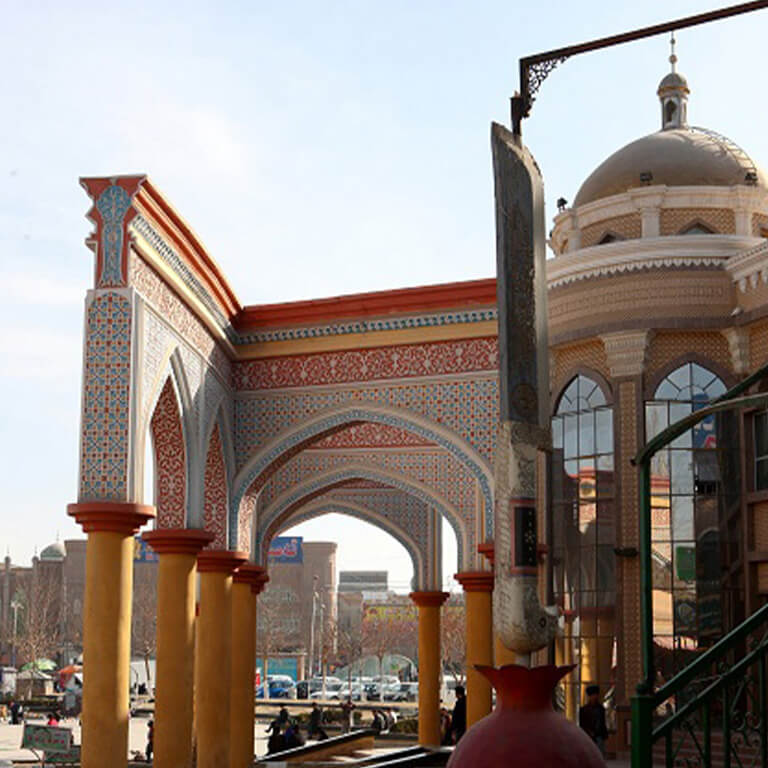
[55, 551]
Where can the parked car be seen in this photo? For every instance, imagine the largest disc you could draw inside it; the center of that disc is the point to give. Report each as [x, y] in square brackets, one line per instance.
[278, 689]
[332, 688]
[406, 692]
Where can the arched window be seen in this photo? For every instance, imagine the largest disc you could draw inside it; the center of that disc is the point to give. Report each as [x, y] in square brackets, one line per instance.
[685, 518]
[583, 538]
[697, 228]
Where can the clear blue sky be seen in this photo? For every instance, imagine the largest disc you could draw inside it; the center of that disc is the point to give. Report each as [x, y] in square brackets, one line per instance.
[317, 149]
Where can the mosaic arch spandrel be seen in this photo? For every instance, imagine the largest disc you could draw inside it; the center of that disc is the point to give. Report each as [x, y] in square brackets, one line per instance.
[287, 444]
[170, 453]
[215, 492]
[362, 511]
[272, 516]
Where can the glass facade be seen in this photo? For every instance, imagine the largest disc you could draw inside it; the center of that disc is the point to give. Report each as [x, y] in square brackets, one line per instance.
[686, 498]
[761, 451]
[583, 537]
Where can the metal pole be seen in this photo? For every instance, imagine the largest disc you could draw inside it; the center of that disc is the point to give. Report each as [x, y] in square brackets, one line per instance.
[646, 576]
[312, 631]
[322, 642]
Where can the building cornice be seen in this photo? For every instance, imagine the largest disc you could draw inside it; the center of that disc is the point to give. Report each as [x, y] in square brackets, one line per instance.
[709, 251]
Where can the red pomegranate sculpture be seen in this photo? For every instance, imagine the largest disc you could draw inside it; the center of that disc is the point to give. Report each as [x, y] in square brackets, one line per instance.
[524, 731]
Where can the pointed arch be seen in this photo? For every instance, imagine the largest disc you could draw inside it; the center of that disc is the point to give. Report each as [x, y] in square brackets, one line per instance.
[280, 509]
[324, 506]
[288, 443]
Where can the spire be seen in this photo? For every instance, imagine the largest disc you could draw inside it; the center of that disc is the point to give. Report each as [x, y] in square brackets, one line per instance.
[673, 93]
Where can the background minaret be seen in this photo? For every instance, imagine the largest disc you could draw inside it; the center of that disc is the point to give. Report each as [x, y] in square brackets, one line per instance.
[673, 92]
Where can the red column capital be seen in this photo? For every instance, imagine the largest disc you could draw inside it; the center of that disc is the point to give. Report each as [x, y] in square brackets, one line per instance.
[220, 560]
[475, 581]
[111, 516]
[486, 549]
[251, 574]
[426, 599]
[177, 541]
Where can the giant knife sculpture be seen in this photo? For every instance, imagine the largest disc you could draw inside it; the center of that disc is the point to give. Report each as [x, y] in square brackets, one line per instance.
[523, 624]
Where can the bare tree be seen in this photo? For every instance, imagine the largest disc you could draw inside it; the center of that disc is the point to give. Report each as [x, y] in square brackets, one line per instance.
[277, 623]
[383, 633]
[453, 640]
[144, 621]
[349, 647]
[39, 633]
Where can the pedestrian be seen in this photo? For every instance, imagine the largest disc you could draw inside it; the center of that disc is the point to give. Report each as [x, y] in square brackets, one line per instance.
[276, 741]
[53, 719]
[17, 713]
[315, 723]
[459, 715]
[150, 740]
[379, 723]
[346, 715]
[445, 726]
[292, 736]
[282, 716]
[592, 718]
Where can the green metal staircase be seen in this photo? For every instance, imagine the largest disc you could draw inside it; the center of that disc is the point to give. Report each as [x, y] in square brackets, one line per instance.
[715, 711]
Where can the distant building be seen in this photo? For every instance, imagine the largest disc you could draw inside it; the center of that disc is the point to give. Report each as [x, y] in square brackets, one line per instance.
[298, 569]
[57, 575]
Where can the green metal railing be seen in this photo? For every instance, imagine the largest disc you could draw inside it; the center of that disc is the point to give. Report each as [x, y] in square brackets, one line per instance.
[721, 681]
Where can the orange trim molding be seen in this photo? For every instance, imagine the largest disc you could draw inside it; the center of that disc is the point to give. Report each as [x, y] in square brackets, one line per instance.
[177, 541]
[475, 581]
[428, 599]
[220, 560]
[376, 303]
[112, 516]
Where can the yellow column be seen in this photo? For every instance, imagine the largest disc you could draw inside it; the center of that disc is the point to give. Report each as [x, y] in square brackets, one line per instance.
[430, 673]
[212, 662]
[588, 651]
[107, 626]
[177, 550]
[501, 654]
[248, 581]
[478, 587]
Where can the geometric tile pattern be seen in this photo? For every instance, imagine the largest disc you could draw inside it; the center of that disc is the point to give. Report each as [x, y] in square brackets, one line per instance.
[467, 406]
[112, 204]
[170, 460]
[168, 306]
[445, 475]
[357, 365]
[369, 435]
[106, 399]
[215, 493]
[302, 437]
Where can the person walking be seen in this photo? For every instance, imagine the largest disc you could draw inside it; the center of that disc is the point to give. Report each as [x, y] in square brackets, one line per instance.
[592, 718]
[346, 715]
[459, 715]
[150, 740]
[315, 723]
[17, 713]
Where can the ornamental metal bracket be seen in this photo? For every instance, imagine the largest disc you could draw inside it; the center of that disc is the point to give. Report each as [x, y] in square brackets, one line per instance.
[535, 69]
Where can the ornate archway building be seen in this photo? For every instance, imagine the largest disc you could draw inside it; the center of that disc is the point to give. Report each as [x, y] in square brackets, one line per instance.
[385, 406]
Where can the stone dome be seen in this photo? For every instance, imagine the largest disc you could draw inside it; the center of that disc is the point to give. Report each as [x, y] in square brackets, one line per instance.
[679, 157]
[55, 551]
[675, 156]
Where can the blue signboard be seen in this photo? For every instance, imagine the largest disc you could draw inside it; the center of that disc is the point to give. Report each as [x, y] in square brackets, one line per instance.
[142, 552]
[286, 549]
